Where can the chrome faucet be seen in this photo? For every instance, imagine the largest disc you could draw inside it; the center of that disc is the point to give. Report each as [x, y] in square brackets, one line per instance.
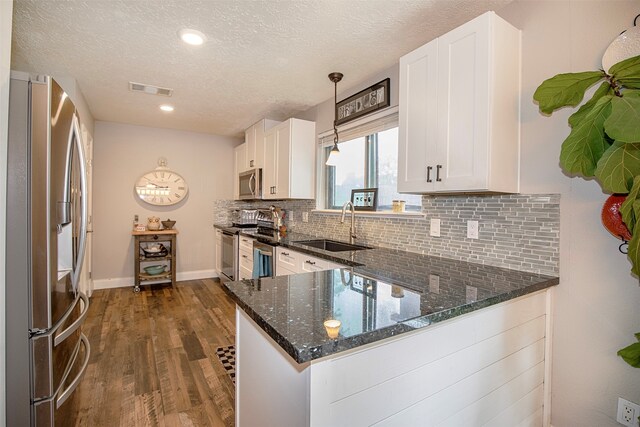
[352, 229]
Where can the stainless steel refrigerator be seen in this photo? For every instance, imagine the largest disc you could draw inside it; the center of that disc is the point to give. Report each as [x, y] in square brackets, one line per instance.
[47, 353]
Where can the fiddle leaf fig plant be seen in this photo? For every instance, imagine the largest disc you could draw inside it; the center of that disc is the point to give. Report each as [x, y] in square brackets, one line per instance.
[604, 142]
[631, 353]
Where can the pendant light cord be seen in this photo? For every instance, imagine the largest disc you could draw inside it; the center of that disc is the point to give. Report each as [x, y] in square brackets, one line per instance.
[335, 112]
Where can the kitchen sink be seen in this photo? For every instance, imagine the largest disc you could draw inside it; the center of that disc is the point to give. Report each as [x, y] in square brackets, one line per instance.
[331, 245]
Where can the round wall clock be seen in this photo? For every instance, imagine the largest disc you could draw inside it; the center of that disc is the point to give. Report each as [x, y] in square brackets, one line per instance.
[161, 187]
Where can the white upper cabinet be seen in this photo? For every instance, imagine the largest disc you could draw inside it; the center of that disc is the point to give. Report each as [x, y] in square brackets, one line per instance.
[254, 138]
[288, 170]
[460, 111]
[240, 156]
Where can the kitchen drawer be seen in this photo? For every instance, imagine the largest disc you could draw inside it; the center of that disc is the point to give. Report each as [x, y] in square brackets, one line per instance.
[245, 273]
[287, 259]
[310, 263]
[246, 261]
[246, 243]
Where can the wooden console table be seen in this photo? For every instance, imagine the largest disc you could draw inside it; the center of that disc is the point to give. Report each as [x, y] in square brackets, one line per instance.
[144, 239]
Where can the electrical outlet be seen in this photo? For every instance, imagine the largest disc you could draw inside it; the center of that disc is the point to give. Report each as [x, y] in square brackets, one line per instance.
[434, 229]
[472, 229]
[305, 216]
[628, 413]
[434, 283]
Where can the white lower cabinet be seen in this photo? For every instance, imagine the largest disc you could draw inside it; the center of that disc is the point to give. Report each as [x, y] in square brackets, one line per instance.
[310, 264]
[245, 255]
[292, 262]
[285, 261]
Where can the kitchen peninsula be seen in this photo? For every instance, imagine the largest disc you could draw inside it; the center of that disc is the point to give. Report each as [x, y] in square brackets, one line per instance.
[422, 341]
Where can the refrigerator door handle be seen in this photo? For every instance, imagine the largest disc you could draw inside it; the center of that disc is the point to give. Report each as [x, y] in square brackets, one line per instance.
[75, 129]
[76, 324]
[74, 384]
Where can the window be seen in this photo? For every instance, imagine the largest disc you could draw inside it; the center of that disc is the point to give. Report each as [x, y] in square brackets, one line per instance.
[368, 158]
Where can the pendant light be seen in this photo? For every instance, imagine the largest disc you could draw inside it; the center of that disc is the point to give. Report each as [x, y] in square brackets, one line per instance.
[335, 151]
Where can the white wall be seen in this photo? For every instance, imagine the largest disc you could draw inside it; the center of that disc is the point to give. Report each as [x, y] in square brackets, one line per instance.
[6, 10]
[122, 153]
[597, 303]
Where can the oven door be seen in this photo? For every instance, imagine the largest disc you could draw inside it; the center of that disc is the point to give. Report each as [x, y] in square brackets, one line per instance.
[250, 185]
[265, 265]
[229, 256]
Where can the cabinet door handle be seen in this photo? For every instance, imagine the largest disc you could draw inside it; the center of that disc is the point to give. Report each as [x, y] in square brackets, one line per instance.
[251, 163]
[310, 262]
[285, 253]
[244, 256]
[438, 167]
[429, 174]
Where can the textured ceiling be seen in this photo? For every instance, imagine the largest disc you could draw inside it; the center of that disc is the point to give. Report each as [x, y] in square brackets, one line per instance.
[262, 58]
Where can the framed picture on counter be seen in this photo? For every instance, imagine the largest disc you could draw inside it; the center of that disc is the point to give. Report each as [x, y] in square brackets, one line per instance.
[365, 199]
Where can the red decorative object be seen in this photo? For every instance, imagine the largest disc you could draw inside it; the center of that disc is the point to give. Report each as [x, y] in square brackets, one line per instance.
[612, 219]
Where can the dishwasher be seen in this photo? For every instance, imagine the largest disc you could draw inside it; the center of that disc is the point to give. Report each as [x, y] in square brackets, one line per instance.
[229, 256]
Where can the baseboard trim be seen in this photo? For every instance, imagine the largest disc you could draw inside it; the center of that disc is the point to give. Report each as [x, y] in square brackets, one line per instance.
[124, 282]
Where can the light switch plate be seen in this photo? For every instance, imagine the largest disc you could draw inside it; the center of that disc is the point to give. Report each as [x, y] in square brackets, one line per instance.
[434, 229]
[472, 229]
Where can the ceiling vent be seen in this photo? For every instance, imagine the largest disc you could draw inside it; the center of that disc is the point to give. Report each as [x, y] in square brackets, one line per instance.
[150, 89]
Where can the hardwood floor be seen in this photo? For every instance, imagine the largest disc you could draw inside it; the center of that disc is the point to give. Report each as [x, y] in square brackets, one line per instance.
[153, 360]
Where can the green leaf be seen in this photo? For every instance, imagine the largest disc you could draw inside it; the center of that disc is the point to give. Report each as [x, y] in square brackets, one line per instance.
[631, 354]
[586, 143]
[634, 252]
[637, 334]
[619, 164]
[631, 83]
[578, 116]
[628, 68]
[564, 89]
[624, 122]
[626, 208]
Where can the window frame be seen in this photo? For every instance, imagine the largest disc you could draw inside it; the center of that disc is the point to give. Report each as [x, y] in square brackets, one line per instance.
[367, 127]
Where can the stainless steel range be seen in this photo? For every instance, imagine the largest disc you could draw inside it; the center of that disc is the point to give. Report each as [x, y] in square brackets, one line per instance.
[267, 237]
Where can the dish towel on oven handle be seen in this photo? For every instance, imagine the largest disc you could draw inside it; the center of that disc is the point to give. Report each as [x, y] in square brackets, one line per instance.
[261, 265]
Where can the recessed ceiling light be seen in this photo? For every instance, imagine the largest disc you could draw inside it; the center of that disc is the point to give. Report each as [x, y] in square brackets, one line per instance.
[166, 107]
[192, 37]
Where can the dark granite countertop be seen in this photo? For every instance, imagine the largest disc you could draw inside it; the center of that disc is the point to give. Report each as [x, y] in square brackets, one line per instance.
[384, 293]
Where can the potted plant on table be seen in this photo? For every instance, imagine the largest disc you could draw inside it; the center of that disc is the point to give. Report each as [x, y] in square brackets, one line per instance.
[604, 143]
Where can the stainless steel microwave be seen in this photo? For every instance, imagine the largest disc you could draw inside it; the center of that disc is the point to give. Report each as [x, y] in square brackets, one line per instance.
[250, 184]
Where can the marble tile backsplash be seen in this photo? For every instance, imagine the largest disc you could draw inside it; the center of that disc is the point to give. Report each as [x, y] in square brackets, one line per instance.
[516, 231]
